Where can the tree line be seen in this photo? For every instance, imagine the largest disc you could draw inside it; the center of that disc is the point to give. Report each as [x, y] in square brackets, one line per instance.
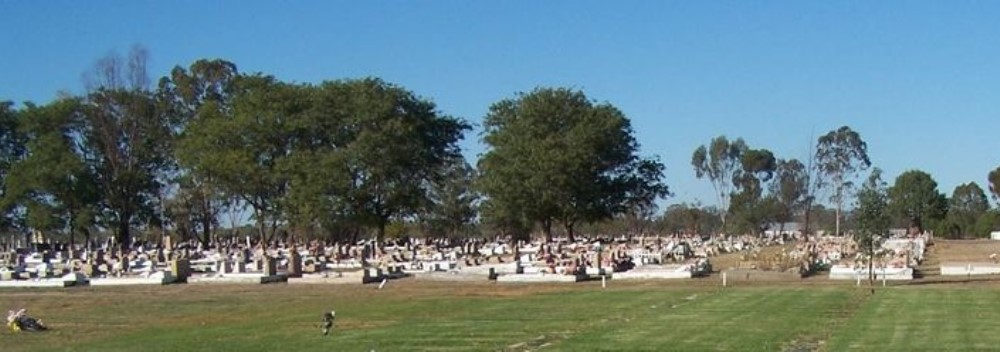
[350, 158]
[338, 159]
[756, 190]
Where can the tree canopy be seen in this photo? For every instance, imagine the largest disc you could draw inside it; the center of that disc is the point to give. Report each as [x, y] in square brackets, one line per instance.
[840, 155]
[556, 156]
[914, 196]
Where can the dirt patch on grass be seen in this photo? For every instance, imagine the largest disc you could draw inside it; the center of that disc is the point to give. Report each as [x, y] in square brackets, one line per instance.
[804, 346]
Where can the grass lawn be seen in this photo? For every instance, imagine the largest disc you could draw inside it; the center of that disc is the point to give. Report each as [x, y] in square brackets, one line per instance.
[411, 315]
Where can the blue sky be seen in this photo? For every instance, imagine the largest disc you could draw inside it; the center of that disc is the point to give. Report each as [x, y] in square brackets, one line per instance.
[919, 80]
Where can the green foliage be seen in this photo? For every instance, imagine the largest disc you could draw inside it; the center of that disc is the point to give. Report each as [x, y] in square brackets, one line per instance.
[740, 176]
[336, 157]
[914, 196]
[241, 149]
[203, 91]
[377, 148]
[871, 213]
[988, 222]
[555, 156]
[790, 190]
[453, 200]
[689, 219]
[966, 206]
[53, 181]
[720, 162]
[994, 180]
[751, 210]
[126, 142]
[11, 150]
[840, 155]
[396, 145]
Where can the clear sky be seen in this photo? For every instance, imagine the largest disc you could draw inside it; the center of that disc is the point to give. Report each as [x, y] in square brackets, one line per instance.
[919, 80]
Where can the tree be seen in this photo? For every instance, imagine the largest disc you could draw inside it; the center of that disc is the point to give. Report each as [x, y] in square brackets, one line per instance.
[126, 142]
[840, 155]
[556, 156]
[790, 190]
[751, 210]
[915, 197]
[53, 181]
[720, 162]
[194, 208]
[988, 222]
[689, 219]
[204, 90]
[243, 149]
[643, 188]
[11, 150]
[966, 206]
[994, 180]
[390, 146]
[871, 215]
[453, 199]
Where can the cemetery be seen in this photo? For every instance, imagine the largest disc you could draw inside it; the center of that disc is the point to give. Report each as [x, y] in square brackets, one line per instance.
[240, 260]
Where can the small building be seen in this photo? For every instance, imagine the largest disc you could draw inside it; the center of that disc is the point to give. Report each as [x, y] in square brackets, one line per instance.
[995, 235]
[787, 229]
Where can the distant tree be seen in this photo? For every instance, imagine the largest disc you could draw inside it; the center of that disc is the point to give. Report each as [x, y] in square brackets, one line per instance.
[749, 207]
[790, 190]
[871, 215]
[840, 155]
[689, 219]
[453, 199]
[194, 209]
[556, 157]
[915, 197]
[988, 222]
[126, 142]
[205, 90]
[720, 162]
[241, 150]
[11, 150]
[967, 204]
[994, 180]
[641, 191]
[387, 146]
[53, 181]
[503, 217]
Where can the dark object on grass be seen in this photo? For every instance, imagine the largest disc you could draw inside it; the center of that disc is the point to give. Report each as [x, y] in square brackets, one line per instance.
[20, 321]
[328, 321]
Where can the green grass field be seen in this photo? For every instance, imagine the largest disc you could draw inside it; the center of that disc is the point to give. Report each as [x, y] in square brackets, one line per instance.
[413, 315]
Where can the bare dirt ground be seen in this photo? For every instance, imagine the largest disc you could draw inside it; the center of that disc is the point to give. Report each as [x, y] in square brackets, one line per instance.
[766, 259]
[977, 251]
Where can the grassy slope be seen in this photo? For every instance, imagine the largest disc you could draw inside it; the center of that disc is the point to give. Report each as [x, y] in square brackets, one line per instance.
[452, 317]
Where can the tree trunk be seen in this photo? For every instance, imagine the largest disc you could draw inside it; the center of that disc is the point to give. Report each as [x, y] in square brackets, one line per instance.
[916, 226]
[547, 229]
[569, 231]
[871, 265]
[206, 227]
[382, 222]
[806, 217]
[837, 231]
[124, 232]
[86, 238]
[722, 217]
[72, 228]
